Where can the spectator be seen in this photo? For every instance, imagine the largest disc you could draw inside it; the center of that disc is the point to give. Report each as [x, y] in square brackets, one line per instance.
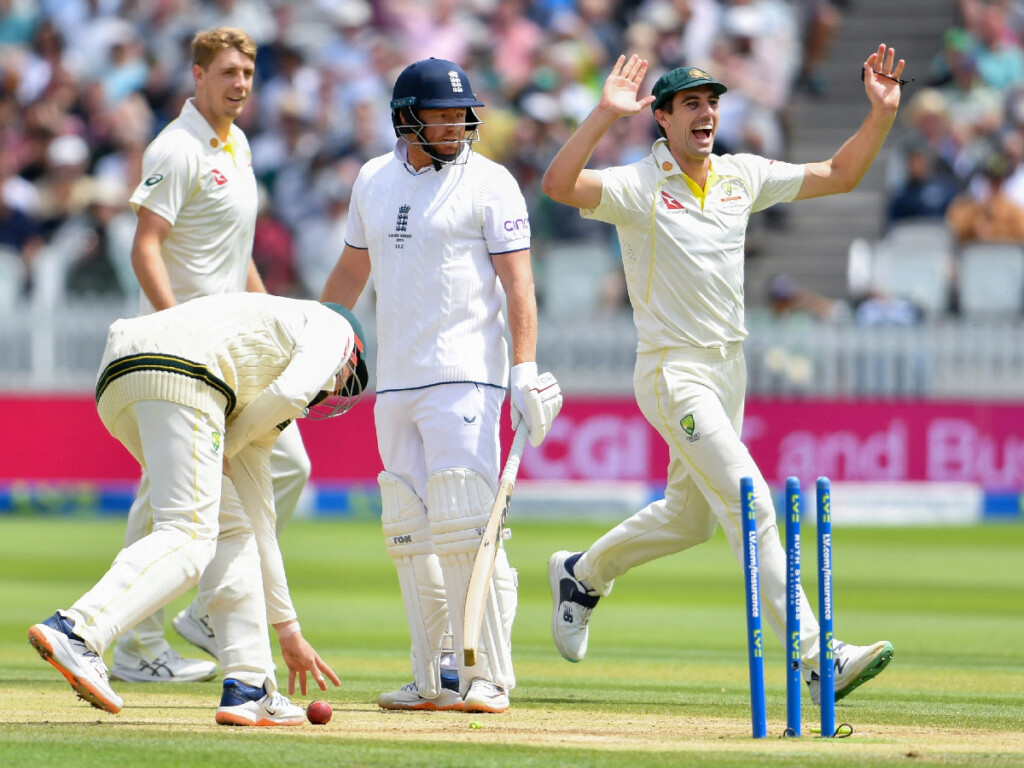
[927, 191]
[100, 244]
[273, 250]
[788, 300]
[65, 188]
[19, 233]
[985, 213]
[318, 242]
[1000, 61]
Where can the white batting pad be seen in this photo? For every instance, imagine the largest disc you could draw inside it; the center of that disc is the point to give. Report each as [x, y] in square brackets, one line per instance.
[458, 504]
[407, 536]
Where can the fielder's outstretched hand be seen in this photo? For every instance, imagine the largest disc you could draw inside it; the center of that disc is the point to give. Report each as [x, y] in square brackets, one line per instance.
[619, 94]
[301, 658]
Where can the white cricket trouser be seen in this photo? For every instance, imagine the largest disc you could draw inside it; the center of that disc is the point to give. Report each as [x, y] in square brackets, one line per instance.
[290, 469]
[200, 534]
[182, 450]
[707, 460]
[448, 427]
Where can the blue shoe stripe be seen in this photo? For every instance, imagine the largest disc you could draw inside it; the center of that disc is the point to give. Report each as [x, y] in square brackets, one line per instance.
[568, 592]
[237, 693]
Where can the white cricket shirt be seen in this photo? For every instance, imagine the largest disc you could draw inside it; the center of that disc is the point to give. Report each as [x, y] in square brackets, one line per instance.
[206, 189]
[683, 250]
[430, 237]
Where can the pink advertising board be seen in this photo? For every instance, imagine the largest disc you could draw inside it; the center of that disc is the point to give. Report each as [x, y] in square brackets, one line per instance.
[55, 438]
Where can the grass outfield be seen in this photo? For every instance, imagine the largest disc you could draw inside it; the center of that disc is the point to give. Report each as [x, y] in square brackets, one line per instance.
[665, 681]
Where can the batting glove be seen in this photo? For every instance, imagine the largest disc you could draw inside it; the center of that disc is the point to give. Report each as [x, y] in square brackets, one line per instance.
[536, 400]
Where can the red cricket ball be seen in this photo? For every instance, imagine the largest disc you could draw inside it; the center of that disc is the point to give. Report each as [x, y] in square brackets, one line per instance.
[319, 712]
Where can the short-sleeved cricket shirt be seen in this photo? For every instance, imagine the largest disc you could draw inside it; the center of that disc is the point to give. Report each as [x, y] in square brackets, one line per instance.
[430, 236]
[683, 248]
[206, 189]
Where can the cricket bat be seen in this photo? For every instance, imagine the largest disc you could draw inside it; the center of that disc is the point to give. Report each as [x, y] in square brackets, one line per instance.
[483, 562]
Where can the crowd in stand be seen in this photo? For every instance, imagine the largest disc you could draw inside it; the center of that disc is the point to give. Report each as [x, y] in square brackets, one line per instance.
[962, 159]
[86, 84]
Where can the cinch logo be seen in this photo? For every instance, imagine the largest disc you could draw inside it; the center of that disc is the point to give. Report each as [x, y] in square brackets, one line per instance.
[456, 82]
[403, 219]
[671, 203]
[219, 177]
[514, 225]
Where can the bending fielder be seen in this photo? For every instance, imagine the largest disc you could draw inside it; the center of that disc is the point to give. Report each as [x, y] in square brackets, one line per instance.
[204, 385]
[196, 208]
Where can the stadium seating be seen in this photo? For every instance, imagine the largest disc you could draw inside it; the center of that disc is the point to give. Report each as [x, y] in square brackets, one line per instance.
[991, 280]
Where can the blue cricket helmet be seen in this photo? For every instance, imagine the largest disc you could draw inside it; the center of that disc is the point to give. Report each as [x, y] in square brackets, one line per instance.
[433, 84]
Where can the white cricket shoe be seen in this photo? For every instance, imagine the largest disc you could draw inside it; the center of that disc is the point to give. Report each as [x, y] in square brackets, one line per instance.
[408, 698]
[485, 696]
[854, 666]
[242, 704]
[574, 601]
[57, 643]
[195, 627]
[169, 667]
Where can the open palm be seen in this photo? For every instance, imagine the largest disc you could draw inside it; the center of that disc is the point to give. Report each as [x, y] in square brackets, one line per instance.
[620, 89]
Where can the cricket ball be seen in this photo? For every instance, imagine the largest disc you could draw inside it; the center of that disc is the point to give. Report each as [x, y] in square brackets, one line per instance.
[319, 712]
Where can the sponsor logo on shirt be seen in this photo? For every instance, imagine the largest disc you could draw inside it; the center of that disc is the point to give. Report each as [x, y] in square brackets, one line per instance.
[671, 203]
[516, 225]
[219, 177]
[153, 180]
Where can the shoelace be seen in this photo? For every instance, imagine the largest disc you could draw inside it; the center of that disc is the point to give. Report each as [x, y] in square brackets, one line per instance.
[276, 701]
[91, 656]
[491, 689]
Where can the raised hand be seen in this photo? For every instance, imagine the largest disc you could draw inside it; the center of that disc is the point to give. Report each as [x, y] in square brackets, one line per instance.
[619, 94]
[881, 78]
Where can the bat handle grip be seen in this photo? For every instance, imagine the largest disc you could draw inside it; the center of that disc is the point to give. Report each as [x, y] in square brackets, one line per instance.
[515, 454]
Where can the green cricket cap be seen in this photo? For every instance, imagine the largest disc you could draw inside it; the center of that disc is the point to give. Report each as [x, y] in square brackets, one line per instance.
[681, 79]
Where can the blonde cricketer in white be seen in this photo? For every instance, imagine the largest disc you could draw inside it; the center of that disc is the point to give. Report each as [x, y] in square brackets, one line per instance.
[681, 215]
[446, 235]
[198, 394]
[196, 206]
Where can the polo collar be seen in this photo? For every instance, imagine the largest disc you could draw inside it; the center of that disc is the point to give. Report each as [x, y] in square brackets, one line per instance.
[667, 166]
[194, 119]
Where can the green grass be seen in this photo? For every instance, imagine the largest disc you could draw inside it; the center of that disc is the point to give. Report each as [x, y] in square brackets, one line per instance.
[664, 683]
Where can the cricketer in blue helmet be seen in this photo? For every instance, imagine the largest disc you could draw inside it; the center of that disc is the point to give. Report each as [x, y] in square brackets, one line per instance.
[445, 234]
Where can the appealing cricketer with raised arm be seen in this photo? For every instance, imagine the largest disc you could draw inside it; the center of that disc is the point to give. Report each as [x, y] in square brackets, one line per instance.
[681, 216]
